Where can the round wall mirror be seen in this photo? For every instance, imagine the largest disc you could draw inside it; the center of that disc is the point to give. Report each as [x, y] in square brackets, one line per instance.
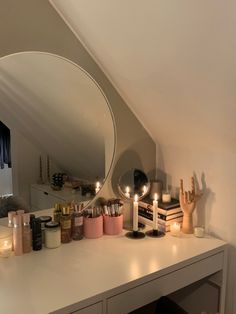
[133, 182]
[61, 133]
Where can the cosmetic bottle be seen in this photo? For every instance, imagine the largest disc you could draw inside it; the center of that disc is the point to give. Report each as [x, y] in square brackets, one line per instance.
[77, 224]
[10, 218]
[27, 239]
[57, 213]
[36, 234]
[52, 235]
[17, 235]
[65, 222]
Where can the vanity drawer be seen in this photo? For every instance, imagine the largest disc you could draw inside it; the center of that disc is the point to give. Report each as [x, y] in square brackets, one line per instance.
[41, 199]
[92, 309]
[146, 293]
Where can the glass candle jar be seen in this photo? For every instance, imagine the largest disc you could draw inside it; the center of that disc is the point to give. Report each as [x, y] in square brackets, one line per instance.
[52, 235]
[5, 241]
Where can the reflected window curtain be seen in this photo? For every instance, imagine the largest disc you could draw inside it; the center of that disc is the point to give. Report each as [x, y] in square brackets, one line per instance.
[5, 146]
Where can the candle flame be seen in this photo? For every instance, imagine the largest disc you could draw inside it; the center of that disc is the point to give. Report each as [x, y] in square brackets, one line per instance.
[97, 184]
[136, 197]
[155, 197]
[144, 189]
[5, 243]
[127, 190]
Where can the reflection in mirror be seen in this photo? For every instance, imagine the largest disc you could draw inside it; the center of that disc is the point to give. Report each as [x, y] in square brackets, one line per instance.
[133, 182]
[61, 132]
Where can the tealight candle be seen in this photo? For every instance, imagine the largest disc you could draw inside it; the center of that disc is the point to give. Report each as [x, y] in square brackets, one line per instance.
[97, 187]
[166, 197]
[6, 249]
[127, 192]
[175, 229]
[135, 213]
[155, 212]
[199, 232]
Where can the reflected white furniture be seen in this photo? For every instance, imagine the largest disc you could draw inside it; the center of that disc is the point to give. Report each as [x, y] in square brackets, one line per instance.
[43, 196]
[110, 275]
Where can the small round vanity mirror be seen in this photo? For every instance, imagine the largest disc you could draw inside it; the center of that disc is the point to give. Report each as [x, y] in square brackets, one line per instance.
[133, 182]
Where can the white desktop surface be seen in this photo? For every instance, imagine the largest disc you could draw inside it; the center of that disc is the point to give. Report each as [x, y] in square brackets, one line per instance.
[52, 279]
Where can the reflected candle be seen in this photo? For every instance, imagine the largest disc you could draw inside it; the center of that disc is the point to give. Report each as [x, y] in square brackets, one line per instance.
[155, 212]
[127, 192]
[97, 187]
[135, 213]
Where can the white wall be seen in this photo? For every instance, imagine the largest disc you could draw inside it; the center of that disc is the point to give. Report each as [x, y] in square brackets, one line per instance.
[175, 64]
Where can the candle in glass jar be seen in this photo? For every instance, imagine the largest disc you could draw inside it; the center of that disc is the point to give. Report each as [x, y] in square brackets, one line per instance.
[155, 212]
[166, 197]
[199, 232]
[6, 249]
[135, 213]
[127, 192]
[175, 229]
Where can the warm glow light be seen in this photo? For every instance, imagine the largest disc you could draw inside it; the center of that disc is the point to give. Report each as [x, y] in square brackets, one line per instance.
[127, 189]
[5, 243]
[155, 197]
[144, 189]
[97, 184]
[136, 197]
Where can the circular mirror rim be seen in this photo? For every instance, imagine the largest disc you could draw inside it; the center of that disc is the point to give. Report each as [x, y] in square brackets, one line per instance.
[103, 94]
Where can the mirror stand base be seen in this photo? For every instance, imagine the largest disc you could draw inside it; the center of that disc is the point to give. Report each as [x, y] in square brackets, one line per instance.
[135, 235]
[155, 233]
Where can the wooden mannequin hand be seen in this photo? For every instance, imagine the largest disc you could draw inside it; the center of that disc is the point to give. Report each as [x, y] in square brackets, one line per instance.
[187, 199]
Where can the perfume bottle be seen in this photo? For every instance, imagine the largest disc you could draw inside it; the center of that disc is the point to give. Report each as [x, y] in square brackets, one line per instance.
[77, 224]
[17, 235]
[27, 237]
[36, 234]
[65, 222]
[57, 213]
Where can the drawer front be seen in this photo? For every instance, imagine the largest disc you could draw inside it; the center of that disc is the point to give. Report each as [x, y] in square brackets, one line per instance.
[132, 299]
[42, 200]
[92, 309]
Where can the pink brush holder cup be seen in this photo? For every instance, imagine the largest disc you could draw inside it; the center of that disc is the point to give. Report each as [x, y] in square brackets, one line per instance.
[93, 227]
[113, 225]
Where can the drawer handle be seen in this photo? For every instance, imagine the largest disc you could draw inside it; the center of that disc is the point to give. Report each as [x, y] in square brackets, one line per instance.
[46, 193]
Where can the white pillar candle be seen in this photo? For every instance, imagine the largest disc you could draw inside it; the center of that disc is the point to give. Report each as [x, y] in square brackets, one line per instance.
[175, 229]
[135, 213]
[155, 212]
[127, 192]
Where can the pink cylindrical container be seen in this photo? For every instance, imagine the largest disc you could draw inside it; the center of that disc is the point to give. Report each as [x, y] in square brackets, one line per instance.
[113, 225]
[93, 227]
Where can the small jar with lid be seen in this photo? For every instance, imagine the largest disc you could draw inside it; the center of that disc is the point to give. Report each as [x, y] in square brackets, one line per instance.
[52, 235]
[44, 220]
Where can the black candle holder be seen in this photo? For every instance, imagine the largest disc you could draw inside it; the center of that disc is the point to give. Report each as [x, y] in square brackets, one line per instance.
[135, 235]
[155, 233]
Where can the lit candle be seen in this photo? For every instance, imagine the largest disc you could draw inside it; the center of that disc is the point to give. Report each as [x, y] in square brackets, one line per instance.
[144, 189]
[98, 186]
[155, 212]
[135, 213]
[166, 197]
[175, 229]
[127, 192]
[6, 249]
[199, 232]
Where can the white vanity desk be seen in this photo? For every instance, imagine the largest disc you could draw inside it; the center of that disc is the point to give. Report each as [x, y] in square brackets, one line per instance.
[110, 275]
